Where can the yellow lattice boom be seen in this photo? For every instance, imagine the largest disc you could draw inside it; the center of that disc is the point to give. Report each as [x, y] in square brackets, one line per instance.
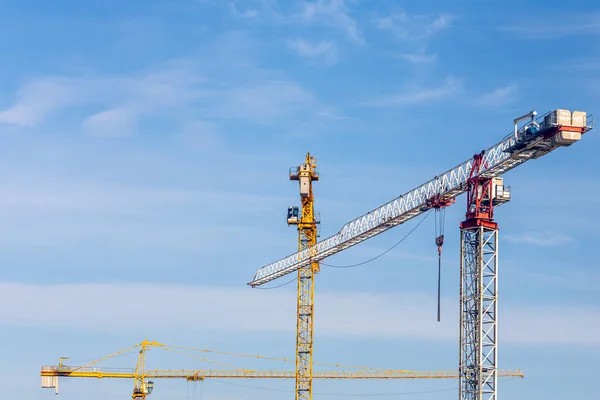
[198, 375]
[143, 387]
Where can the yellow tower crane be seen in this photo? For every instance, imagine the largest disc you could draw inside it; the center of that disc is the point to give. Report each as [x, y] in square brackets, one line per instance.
[304, 218]
[142, 386]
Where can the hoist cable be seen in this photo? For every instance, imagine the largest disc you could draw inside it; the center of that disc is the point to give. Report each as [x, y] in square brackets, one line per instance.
[439, 241]
[278, 286]
[387, 251]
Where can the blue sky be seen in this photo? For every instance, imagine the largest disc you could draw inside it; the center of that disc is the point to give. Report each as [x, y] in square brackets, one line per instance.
[143, 169]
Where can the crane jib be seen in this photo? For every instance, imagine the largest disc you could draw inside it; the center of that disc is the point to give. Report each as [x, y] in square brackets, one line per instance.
[50, 373]
[513, 150]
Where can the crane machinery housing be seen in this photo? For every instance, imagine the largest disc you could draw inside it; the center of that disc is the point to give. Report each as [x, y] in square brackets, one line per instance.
[143, 386]
[479, 177]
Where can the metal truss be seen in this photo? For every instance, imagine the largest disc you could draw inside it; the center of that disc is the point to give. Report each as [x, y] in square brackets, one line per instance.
[52, 373]
[512, 151]
[304, 333]
[478, 313]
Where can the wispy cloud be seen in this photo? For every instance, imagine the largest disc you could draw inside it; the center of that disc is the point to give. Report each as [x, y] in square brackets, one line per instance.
[372, 315]
[262, 102]
[417, 58]
[498, 97]
[332, 13]
[59, 212]
[415, 32]
[177, 90]
[548, 27]
[246, 13]
[413, 27]
[155, 91]
[547, 238]
[581, 64]
[38, 99]
[322, 52]
[418, 95]
[260, 11]
[115, 122]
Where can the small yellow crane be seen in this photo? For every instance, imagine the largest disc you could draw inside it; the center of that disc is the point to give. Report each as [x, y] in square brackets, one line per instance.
[142, 386]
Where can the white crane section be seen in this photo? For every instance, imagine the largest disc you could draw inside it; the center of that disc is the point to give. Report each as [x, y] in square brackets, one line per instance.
[534, 139]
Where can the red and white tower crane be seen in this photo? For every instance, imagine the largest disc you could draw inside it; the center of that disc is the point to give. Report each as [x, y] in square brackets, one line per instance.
[479, 177]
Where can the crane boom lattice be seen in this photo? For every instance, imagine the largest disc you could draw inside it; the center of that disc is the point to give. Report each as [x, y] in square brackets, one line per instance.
[512, 151]
[49, 372]
[142, 386]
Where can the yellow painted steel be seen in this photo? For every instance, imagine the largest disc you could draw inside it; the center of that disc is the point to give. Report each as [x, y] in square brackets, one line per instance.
[197, 375]
[140, 389]
[143, 387]
[307, 237]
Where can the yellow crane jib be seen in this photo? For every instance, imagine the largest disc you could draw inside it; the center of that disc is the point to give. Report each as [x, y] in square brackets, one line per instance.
[143, 386]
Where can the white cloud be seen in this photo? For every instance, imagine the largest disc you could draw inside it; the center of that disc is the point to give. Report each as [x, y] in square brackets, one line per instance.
[324, 52]
[415, 32]
[178, 91]
[416, 58]
[155, 91]
[92, 197]
[333, 13]
[418, 95]
[43, 213]
[115, 122]
[263, 102]
[333, 115]
[247, 13]
[259, 11]
[582, 64]
[555, 27]
[37, 100]
[546, 238]
[330, 13]
[498, 97]
[243, 310]
[413, 27]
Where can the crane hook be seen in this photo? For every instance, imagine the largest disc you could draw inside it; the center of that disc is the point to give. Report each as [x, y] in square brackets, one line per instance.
[439, 241]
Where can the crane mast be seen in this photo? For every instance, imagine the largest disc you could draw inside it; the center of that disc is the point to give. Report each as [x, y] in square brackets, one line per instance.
[480, 178]
[479, 286]
[142, 387]
[305, 174]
